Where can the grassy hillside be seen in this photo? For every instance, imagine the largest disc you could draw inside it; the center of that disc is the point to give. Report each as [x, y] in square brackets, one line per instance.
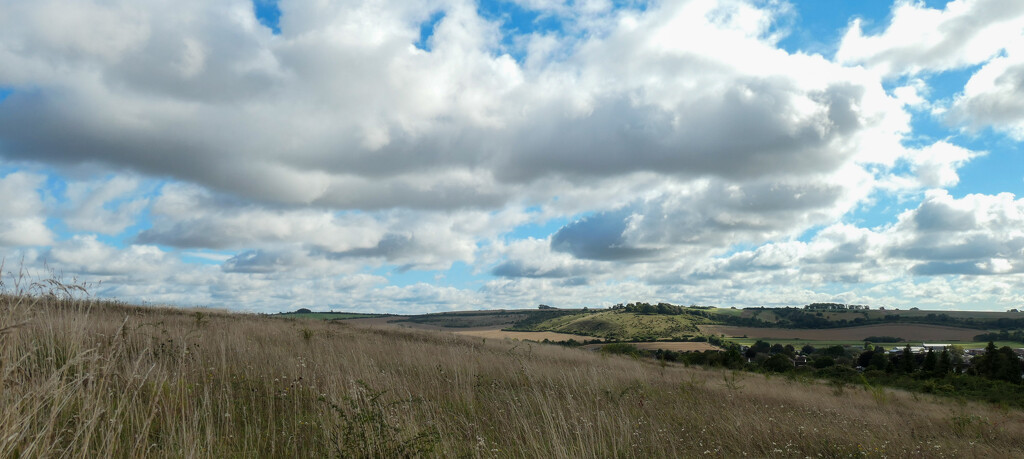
[87, 379]
[627, 326]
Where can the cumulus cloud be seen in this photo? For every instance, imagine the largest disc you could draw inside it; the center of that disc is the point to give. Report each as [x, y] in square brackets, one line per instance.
[88, 255]
[22, 211]
[945, 241]
[342, 111]
[921, 39]
[541, 259]
[108, 206]
[310, 158]
[994, 96]
[977, 234]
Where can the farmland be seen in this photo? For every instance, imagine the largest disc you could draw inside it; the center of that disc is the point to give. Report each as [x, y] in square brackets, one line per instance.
[493, 330]
[909, 332]
[629, 324]
[668, 346]
[87, 379]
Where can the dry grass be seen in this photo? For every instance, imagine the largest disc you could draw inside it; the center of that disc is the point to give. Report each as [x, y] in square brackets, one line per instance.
[911, 332]
[493, 331]
[93, 379]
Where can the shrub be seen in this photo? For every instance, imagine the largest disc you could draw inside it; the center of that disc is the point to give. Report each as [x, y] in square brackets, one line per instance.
[621, 348]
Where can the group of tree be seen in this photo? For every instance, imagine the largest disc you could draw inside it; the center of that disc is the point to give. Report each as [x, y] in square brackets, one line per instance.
[994, 375]
[647, 308]
[1004, 335]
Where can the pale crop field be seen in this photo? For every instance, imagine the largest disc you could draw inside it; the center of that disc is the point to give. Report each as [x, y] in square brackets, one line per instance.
[96, 379]
[909, 332]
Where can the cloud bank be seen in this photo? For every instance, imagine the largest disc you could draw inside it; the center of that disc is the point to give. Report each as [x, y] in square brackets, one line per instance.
[424, 155]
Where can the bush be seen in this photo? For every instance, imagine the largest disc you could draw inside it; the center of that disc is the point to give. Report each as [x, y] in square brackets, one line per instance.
[621, 348]
[824, 362]
[884, 339]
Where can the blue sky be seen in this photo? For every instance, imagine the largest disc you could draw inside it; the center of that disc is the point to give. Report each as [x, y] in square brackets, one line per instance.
[433, 155]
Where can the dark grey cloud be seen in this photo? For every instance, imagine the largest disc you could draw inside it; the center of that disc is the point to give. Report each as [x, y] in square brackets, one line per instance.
[391, 246]
[965, 247]
[732, 135]
[257, 262]
[938, 216]
[189, 235]
[598, 237]
[516, 268]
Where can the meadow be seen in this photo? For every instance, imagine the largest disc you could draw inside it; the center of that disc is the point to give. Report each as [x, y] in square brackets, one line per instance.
[86, 378]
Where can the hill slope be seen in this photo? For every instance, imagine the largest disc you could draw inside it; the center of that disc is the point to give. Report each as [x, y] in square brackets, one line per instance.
[98, 379]
[618, 325]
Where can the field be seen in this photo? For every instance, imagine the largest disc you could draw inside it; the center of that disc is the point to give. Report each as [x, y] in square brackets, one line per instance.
[909, 332]
[798, 343]
[493, 331]
[519, 335]
[666, 345]
[92, 379]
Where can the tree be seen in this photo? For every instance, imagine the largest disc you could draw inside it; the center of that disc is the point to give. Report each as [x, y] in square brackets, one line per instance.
[907, 362]
[760, 347]
[930, 362]
[835, 351]
[824, 362]
[732, 358]
[985, 364]
[945, 363]
[1007, 367]
[778, 363]
[864, 359]
[807, 349]
[879, 361]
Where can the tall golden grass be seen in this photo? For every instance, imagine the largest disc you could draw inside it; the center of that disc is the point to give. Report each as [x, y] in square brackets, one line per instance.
[85, 378]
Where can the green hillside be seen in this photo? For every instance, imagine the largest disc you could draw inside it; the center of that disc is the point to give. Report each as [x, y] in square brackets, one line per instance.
[619, 325]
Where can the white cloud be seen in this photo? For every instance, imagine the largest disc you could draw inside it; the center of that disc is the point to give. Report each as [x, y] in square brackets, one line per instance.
[108, 206]
[342, 111]
[936, 165]
[994, 96]
[88, 255]
[22, 211]
[672, 136]
[922, 39]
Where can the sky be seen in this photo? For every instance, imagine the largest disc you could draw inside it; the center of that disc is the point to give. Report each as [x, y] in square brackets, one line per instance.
[411, 156]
